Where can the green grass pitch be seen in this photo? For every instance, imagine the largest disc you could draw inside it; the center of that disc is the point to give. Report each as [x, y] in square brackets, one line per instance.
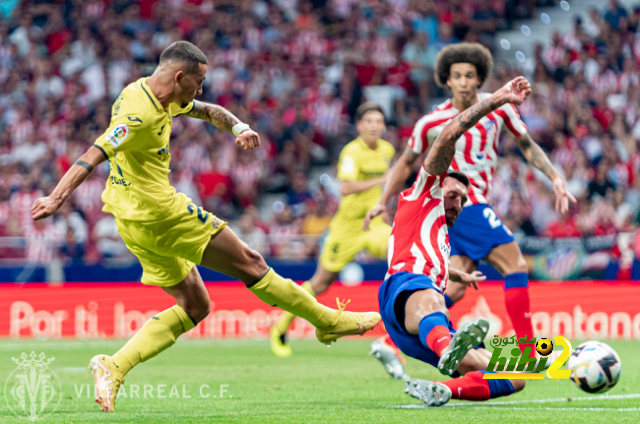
[316, 385]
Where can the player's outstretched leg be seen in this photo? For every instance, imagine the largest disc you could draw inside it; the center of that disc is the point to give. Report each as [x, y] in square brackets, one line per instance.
[432, 393]
[427, 316]
[508, 260]
[318, 284]
[470, 335]
[156, 335]
[279, 343]
[472, 386]
[226, 253]
[385, 351]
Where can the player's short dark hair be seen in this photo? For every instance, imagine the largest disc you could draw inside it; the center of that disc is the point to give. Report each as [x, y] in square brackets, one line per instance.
[473, 53]
[368, 107]
[459, 176]
[186, 52]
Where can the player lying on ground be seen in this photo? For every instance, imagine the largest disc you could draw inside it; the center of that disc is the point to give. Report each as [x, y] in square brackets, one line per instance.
[361, 170]
[411, 298]
[165, 230]
[479, 233]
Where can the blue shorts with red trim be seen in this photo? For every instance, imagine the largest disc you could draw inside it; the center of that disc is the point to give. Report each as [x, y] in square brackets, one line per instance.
[392, 298]
[477, 232]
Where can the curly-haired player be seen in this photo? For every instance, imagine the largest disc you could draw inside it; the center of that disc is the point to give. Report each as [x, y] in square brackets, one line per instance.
[478, 233]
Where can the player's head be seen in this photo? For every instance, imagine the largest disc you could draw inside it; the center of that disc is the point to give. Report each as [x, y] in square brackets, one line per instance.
[370, 121]
[188, 67]
[463, 68]
[456, 193]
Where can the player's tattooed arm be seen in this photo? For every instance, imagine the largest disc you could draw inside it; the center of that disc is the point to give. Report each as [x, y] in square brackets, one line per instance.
[444, 148]
[226, 121]
[534, 155]
[47, 206]
[442, 152]
[216, 115]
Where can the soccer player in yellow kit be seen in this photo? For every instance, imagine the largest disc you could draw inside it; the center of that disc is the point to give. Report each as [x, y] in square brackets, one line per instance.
[165, 230]
[362, 170]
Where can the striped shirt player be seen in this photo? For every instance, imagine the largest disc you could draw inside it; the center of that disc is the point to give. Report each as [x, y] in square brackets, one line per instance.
[479, 233]
[421, 212]
[411, 299]
[477, 151]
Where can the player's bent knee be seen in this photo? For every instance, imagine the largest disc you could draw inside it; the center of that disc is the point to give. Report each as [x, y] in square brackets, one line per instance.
[198, 308]
[255, 266]
[518, 385]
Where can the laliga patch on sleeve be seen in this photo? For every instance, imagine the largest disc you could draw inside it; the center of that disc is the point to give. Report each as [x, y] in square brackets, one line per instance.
[118, 135]
[348, 165]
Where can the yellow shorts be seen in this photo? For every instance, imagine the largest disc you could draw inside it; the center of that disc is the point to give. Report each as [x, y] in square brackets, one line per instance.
[340, 247]
[169, 248]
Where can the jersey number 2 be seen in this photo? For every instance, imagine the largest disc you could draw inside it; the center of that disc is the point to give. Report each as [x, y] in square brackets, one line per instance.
[491, 216]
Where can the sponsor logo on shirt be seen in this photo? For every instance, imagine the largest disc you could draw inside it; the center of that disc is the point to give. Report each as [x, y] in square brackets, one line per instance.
[118, 135]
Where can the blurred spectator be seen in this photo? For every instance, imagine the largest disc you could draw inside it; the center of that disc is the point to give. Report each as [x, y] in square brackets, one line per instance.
[43, 241]
[107, 239]
[614, 13]
[317, 220]
[601, 183]
[564, 227]
[299, 195]
[254, 236]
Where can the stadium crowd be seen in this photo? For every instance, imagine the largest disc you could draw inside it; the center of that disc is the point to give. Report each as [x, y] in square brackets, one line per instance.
[296, 70]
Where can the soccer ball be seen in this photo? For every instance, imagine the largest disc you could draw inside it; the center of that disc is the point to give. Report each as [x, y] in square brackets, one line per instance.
[595, 367]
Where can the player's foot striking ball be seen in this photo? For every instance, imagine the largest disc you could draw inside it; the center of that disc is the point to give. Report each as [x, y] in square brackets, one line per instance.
[411, 298]
[165, 230]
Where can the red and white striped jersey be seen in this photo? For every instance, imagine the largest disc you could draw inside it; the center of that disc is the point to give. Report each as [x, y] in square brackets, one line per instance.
[477, 149]
[419, 241]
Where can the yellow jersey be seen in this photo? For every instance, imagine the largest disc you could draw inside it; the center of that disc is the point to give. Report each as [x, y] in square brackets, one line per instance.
[359, 162]
[137, 147]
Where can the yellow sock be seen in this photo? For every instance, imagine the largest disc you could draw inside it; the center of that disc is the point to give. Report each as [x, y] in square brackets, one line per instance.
[156, 335]
[287, 295]
[286, 318]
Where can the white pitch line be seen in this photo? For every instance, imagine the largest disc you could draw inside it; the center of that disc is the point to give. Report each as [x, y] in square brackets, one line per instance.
[532, 409]
[515, 402]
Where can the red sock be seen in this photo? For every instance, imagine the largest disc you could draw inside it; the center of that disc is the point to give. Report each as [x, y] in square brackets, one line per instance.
[470, 387]
[438, 338]
[518, 306]
[386, 339]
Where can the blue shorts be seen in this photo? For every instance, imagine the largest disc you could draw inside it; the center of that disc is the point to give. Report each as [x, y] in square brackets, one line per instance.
[477, 232]
[403, 284]
[392, 298]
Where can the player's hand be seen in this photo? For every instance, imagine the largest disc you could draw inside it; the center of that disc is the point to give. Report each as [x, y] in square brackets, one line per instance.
[248, 139]
[45, 207]
[516, 90]
[372, 213]
[562, 196]
[472, 279]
